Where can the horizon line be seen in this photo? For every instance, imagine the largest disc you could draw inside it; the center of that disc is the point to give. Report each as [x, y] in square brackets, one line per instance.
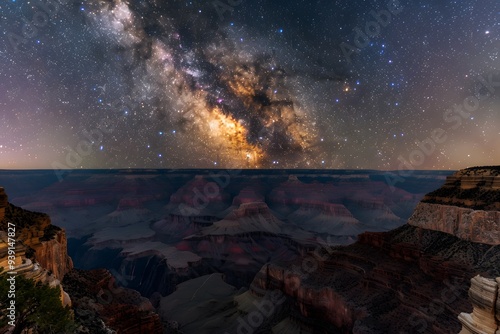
[219, 169]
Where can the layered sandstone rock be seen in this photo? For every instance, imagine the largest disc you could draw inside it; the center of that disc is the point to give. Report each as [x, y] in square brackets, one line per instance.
[47, 242]
[485, 299]
[248, 218]
[249, 194]
[465, 223]
[40, 248]
[53, 255]
[466, 206]
[385, 283]
[487, 177]
[343, 206]
[28, 267]
[476, 188]
[41, 255]
[198, 197]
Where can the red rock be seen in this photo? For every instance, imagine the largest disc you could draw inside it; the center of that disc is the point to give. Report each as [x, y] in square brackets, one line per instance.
[53, 255]
[183, 246]
[122, 309]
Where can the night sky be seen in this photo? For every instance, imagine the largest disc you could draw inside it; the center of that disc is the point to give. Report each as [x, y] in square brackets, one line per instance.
[249, 83]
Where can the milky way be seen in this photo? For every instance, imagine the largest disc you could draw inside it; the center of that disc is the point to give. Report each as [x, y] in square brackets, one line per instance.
[233, 105]
[240, 84]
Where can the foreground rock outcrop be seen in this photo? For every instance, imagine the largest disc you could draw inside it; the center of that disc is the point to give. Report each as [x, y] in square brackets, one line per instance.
[98, 304]
[96, 298]
[39, 248]
[467, 206]
[476, 188]
[46, 243]
[485, 297]
[38, 242]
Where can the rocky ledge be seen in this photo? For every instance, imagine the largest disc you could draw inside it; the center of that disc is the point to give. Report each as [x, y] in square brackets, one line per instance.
[484, 295]
[476, 188]
[465, 223]
[466, 206]
[98, 304]
[40, 247]
[96, 296]
[45, 243]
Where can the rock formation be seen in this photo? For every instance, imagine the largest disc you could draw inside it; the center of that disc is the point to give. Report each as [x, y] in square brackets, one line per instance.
[132, 222]
[467, 206]
[45, 241]
[330, 218]
[477, 188]
[247, 218]
[191, 309]
[250, 194]
[96, 296]
[346, 204]
[198, 197]
[411, 279]
[466, 223]
[484, 295]
[41, 255]
[40, 248]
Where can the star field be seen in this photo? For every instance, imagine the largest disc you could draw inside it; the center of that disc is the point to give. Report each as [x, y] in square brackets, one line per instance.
[249, 84]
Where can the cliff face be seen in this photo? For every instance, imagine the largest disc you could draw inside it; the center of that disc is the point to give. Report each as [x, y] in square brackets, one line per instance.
[466, 206]
[476, 188]
[53, 255]
[40, 248]
[406, 281]
[465, 223]
[41, 255]
[485, 298]
[324, 303]
[411, 279]
[354, 204]
[45, 241]
[95, 295]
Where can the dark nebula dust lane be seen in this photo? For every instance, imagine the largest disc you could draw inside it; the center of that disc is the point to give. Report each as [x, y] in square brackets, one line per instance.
[242, 84]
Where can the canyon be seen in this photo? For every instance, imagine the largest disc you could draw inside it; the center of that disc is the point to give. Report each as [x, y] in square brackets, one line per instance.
[267, 252]
[411, 279]
[41, 255]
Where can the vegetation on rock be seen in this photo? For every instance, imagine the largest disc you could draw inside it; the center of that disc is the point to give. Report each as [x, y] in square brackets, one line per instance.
[38, 307]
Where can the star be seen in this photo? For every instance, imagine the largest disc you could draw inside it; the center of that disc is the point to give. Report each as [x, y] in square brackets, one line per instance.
[177, 79]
